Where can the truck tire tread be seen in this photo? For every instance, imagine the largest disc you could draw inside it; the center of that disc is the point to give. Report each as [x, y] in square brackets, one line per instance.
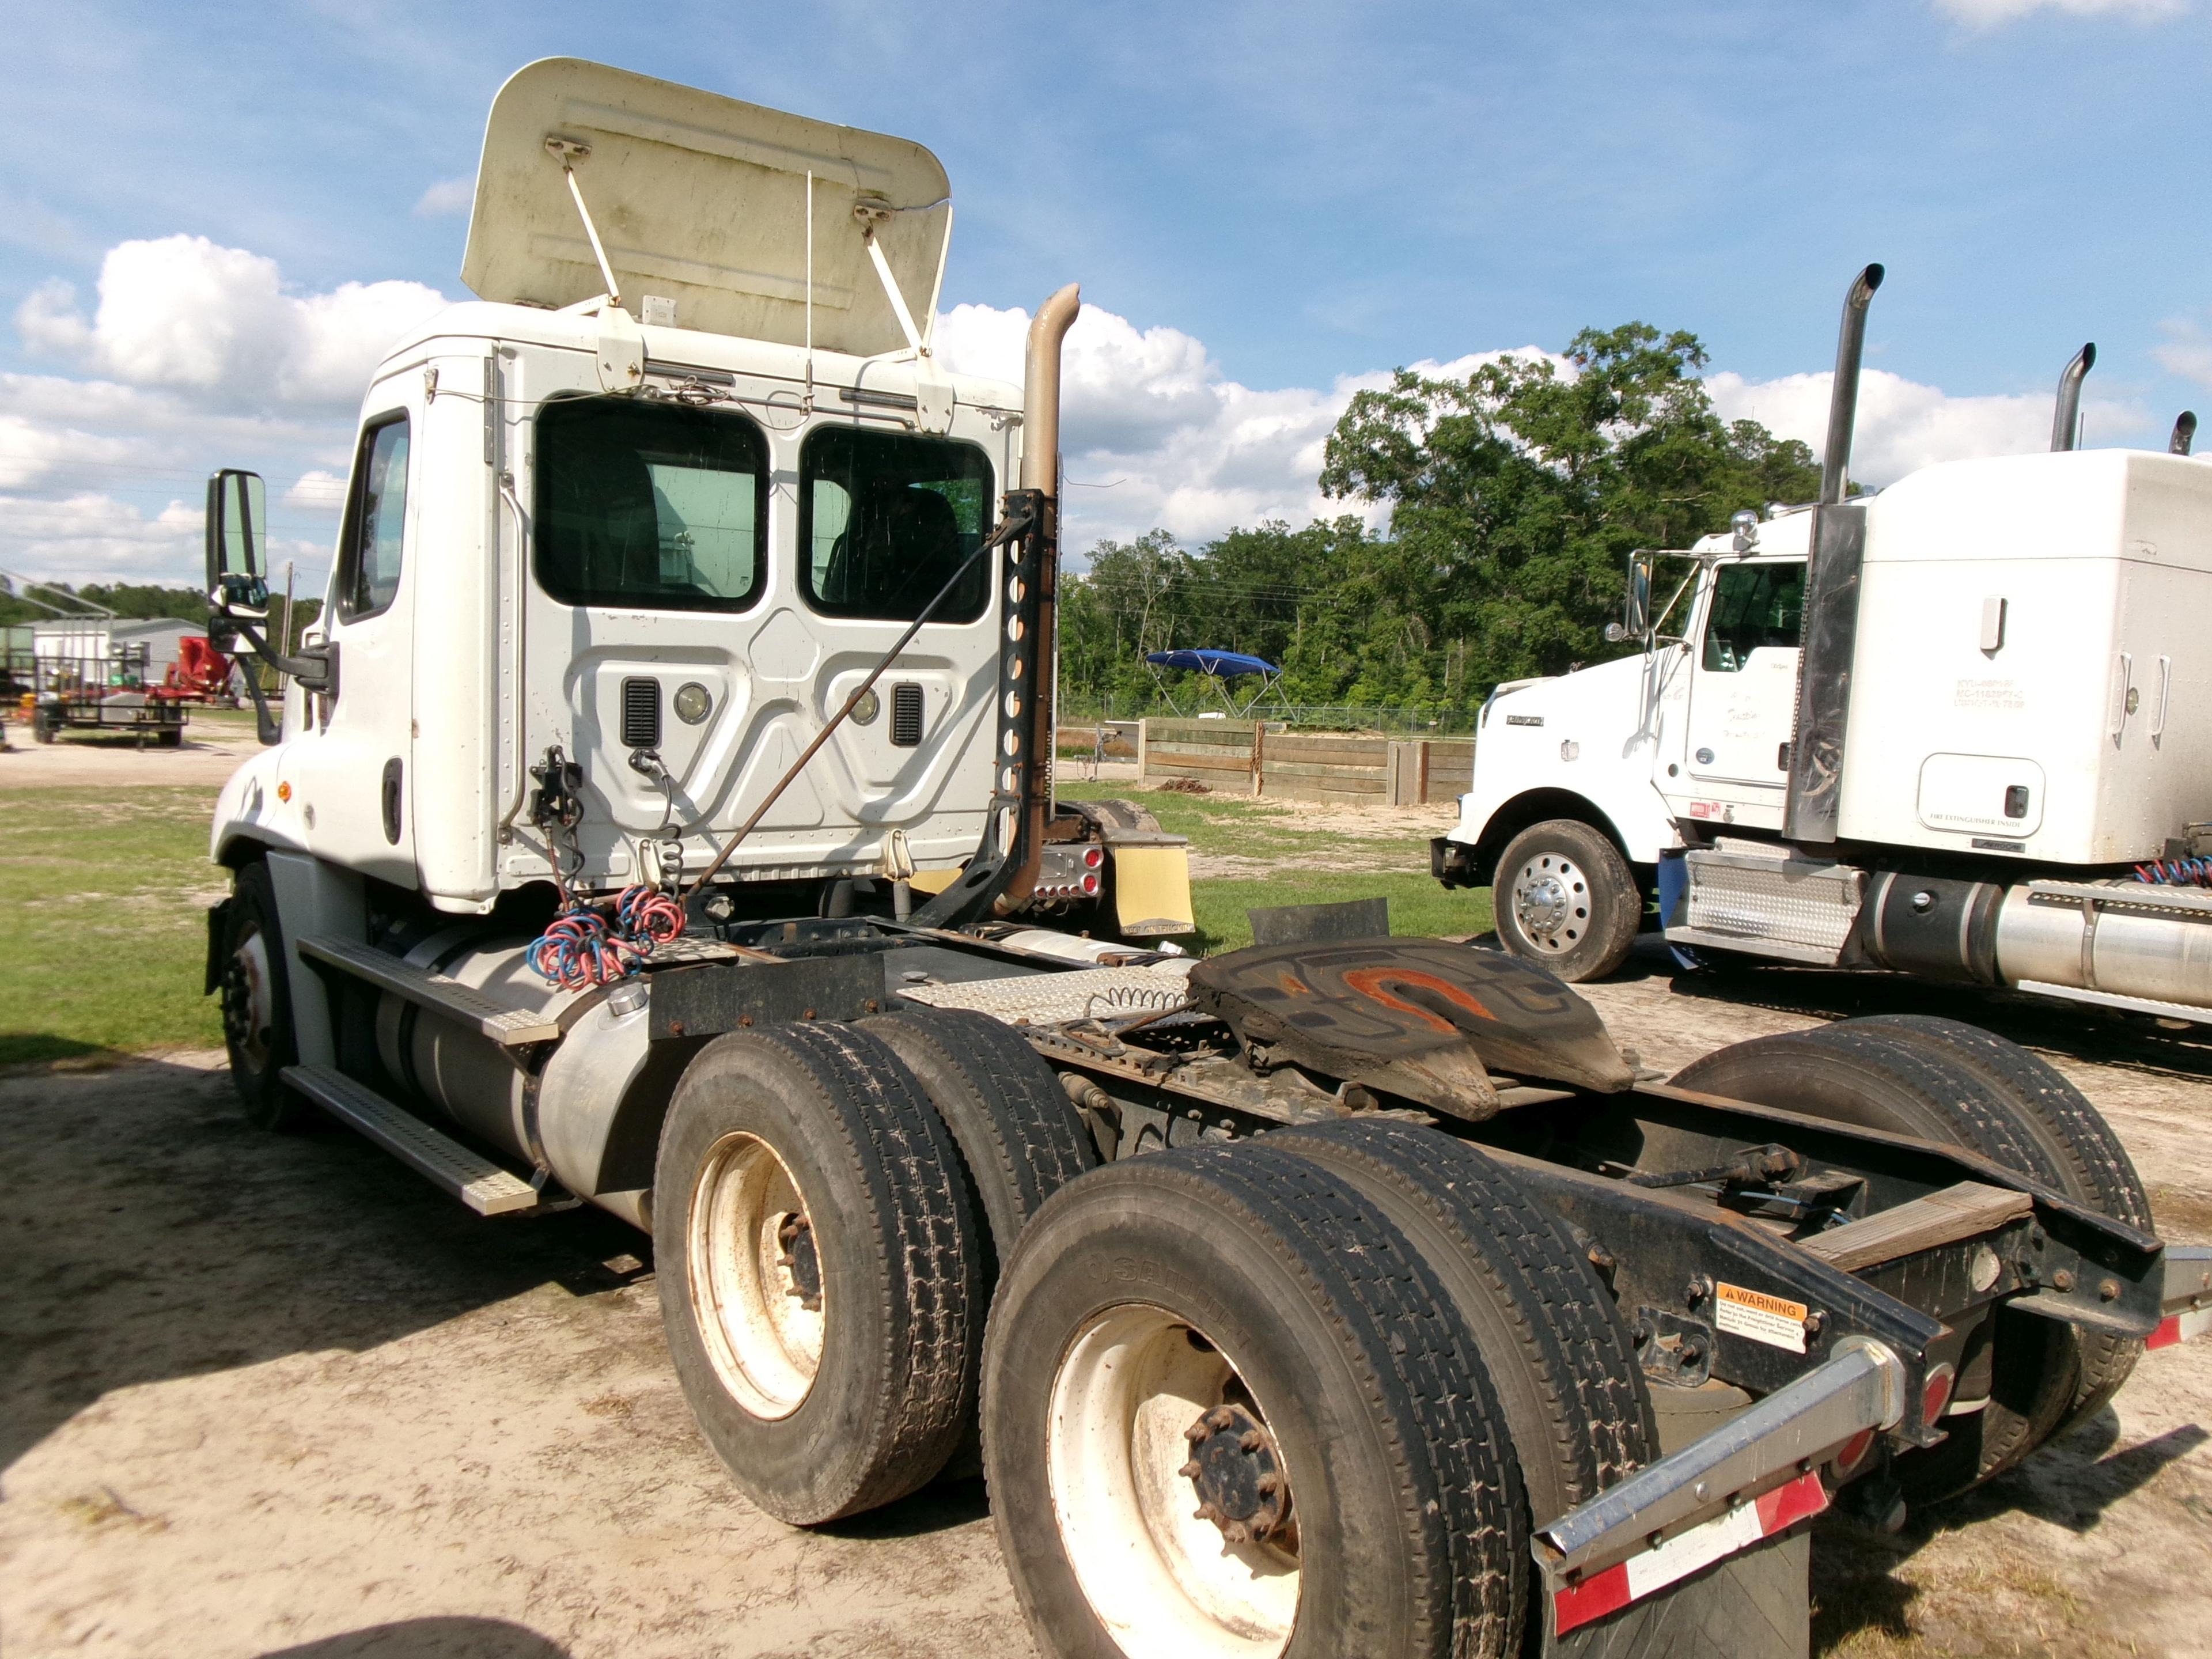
[1370, 1311]
[1573, 1393]
[915, 1238]
[2091, 1165]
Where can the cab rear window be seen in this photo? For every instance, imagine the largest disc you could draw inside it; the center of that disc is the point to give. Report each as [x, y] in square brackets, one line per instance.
[884, 520]
[654, 507]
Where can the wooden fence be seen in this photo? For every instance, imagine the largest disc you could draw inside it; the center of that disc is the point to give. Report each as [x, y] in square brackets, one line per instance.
[1242, 757]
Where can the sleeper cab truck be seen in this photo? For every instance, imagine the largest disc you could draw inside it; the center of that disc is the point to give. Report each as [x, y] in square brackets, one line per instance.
[1957, 729]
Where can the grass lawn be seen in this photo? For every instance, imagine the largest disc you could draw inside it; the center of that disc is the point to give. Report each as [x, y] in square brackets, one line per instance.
[106, 896]
[1227, 825]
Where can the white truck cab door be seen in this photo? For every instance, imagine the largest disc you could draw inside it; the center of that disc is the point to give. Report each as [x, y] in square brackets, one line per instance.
[348, 766]
[1744, 674]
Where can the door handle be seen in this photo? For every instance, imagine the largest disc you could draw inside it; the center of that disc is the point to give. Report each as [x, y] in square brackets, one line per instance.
[2165, 696]
[2122, 686]
[392, 779]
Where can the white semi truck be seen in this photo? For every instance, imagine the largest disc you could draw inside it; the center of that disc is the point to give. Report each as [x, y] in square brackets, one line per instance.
[1960, 728]
[689, 627]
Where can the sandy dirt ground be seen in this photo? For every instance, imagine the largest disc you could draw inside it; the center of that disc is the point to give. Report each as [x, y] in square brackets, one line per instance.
[269, 1394]
[209, 754]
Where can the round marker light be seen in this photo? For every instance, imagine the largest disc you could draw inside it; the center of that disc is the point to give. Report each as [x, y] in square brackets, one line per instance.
[1089, 885]
[694, 702]
[1093, 857]
[1936, 1393]
[1853, 1453]
[867, 708]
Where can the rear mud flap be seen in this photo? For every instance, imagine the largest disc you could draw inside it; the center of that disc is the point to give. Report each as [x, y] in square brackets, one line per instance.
[1755, 1605]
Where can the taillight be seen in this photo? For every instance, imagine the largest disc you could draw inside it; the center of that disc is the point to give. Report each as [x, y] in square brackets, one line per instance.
[1093, 857]
[1936, 1393]
[1853, 1453]
[1089, 885]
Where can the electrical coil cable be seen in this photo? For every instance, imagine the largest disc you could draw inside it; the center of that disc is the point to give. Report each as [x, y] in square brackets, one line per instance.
[581, 948]
[577, 951]
[2177, 872]
[647, 916]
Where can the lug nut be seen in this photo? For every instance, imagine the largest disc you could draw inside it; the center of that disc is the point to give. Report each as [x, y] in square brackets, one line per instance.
[1190, 1471]
[1251, 1440]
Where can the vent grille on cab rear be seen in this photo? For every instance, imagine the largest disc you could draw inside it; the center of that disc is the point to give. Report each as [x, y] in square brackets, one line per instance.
[906, 715]
[641, 719]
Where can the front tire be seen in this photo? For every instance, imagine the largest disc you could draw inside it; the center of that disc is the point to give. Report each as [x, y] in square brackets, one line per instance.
[1565, 899]
[256, 999]
[819, 1264]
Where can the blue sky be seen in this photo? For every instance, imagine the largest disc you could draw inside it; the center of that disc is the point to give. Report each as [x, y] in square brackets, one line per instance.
[1269, 204]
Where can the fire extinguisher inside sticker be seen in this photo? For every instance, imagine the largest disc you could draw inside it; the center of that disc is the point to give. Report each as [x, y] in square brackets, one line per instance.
[1768, 1319]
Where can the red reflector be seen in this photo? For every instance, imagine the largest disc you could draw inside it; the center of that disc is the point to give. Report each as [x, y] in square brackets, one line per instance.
[1687, 1552]
[1091, 884]
[2168, 1333]
[1935, 1395]
[1093, 857]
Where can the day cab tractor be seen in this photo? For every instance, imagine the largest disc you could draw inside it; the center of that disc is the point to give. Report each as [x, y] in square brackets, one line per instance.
[1345, 1295]
[1960, 729]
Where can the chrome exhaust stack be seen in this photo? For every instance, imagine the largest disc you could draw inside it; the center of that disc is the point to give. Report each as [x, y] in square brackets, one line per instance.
[2185, 433]
[1844, 393]
[2066, 417]
[1813, 807]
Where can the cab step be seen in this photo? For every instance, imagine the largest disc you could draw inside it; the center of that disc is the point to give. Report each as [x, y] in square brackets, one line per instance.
[485, 1186]
[462, 1003]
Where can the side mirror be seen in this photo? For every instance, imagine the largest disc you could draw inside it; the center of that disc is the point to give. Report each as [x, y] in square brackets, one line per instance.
[237, 539]
[1636, 603]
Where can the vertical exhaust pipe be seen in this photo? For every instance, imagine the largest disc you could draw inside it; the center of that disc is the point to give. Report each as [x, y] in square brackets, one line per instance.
[1041, 390]
[2065, 419]
[1041, 474]
[2185, 433]
[1843, 395]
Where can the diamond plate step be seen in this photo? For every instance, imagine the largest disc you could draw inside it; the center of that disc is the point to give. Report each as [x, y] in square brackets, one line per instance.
[474, 1179]
[462, 1003]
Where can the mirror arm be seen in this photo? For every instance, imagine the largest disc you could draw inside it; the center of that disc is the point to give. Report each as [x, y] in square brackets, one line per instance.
[315, 666]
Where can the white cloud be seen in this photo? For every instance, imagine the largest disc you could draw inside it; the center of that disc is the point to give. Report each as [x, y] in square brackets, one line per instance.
[447, 197]
[1988, 14]
[1155, 435]
[1904, 424]
[184, 312]
[93, 537]
[317, 491]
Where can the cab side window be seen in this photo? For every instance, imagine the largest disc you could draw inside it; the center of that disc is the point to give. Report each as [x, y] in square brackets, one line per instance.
[375, 522]
[1754, 607]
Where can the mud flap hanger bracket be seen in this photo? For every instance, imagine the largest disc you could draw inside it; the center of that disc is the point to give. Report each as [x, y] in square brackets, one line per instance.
[1717, 1483]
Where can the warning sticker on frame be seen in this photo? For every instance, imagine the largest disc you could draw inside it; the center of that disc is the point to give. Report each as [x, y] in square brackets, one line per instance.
[1768, 1319]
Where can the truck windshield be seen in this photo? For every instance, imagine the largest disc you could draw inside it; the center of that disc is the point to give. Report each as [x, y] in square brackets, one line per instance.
[652, 506]
[885, 519]
[1754, 606]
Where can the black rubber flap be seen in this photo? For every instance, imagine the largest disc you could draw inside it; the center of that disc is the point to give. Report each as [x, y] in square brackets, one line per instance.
[1418, 1017]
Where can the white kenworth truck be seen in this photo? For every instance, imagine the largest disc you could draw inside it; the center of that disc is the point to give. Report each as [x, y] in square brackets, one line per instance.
[644, 832]
[1961, 728]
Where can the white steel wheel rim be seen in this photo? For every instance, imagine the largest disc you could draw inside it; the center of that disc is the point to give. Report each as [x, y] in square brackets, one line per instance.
[256, 998]
[764, 1343]
[1161, 1581]
[1551, 902]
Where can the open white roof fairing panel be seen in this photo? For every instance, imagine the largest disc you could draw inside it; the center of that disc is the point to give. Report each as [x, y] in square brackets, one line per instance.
[702, 199]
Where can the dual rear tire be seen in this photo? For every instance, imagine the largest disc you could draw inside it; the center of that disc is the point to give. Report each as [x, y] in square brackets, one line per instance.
[831, 1203]
[1941, 1080]
[1304, 1395]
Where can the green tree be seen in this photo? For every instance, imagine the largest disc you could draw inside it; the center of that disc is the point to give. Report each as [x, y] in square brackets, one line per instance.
[1516, 494]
